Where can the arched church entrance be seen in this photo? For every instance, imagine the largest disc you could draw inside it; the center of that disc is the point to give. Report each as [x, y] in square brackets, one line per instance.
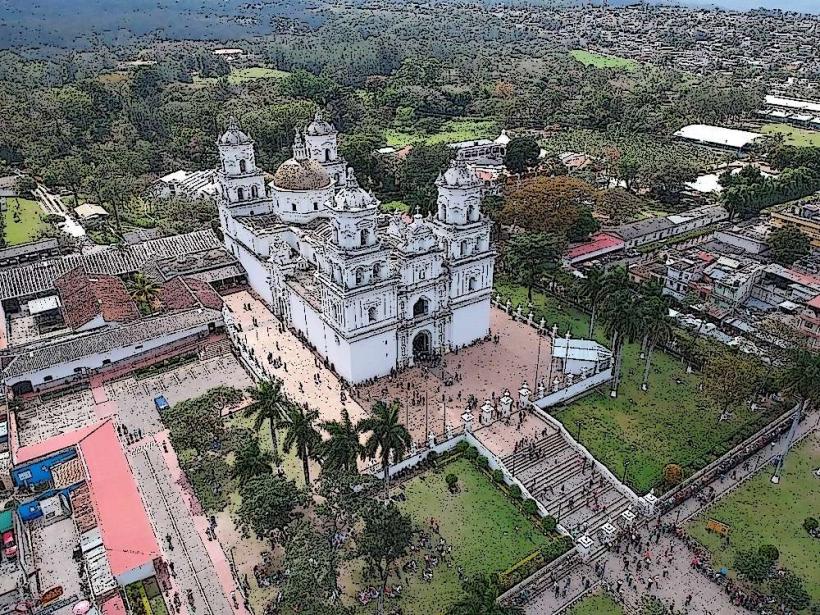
[422, 345]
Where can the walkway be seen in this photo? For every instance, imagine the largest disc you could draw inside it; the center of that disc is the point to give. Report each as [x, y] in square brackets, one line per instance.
[53, 204]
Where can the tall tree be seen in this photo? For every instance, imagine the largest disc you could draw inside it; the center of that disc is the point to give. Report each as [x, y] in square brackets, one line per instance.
[591, 288]
[522, 154]
[251, 461]
[788, 244]
[479, 598]
[269, 403]
[387, 436]
[300, 431]
[417, 175]
[623, 321]
[342, 448]
[657, 329]
[548, 204]
[384, 539]
[730, 378]
[143, 291]
[801, 378]
[530, 256]
[268, 504]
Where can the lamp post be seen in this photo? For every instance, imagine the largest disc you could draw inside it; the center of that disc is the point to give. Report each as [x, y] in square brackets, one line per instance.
[579, 424]
[626, 465]
[537, 361]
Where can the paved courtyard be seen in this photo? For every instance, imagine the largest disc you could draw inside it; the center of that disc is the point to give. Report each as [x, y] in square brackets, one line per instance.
[53, 546]
[431, 396]
[261, 333]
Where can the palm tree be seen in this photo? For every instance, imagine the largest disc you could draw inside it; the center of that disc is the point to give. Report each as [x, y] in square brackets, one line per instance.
[341, 450]
[143, 291]
[657, 327]
[591, 288]
[801, 378]
[623, 321]
[387, 435]
[269, 403]
[299, 423]
[251, 461]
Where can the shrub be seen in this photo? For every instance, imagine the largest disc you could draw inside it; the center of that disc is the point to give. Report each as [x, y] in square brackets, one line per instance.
[770, 552]
[672, 474]
[472, 453]
[498, 476]
[432, 456]
[549, 523]
[451, 479]
[462, 446]
[810, 524]
[482, 462]
[515, 491]
[529, 506]
[752, 566]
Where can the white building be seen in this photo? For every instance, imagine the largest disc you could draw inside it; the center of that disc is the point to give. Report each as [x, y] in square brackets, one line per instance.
[371, 292]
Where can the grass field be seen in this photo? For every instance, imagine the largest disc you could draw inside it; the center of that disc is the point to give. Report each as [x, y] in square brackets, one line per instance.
[667, 424]
[394, 206]
[600, 604]
[486, 530]
[452, 132]
[598, 60]
[793, 135]
[760, 512]
[23, 220]
[251, 73]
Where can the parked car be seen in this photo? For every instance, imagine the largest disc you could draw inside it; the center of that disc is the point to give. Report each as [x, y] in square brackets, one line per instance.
[9, 545]
[161, 403]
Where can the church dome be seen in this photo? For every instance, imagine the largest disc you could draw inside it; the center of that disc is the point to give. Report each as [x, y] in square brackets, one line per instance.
[234, 136]
[459, 175]
[319, 127]
[296, 174]
[353, 196]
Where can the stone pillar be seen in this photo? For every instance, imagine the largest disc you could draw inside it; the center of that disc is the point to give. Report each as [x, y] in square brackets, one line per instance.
[431, 439]
[506, 404]
[518, 312]
[413, 448]
[541, 391]
[524, 395]
[608, 533]
[448, 430]
[529, 319]
[554, 330]
[627, 519]
[486, 413]
[556, 384]
[648, 504]
[467, 417]
[508, 306]
[584, 547]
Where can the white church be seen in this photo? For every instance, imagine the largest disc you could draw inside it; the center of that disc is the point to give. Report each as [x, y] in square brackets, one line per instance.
[372, 292]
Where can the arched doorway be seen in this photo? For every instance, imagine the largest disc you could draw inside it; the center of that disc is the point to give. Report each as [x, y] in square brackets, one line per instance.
[422, 345]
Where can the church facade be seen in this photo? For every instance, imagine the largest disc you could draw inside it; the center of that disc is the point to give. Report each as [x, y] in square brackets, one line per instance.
[371, 292]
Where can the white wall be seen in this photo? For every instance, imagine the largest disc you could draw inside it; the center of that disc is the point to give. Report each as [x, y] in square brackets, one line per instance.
[258, 276]
[469, 323]
[95, 361]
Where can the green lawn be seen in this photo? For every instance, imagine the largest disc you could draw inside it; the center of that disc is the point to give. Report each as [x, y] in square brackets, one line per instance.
[251, 73]
[760, 512]
[23, 220]
[453, 131]
[598, 60]
[486, 530]
[667, 424]
[793, 135]
[599, 604]
[395, 206]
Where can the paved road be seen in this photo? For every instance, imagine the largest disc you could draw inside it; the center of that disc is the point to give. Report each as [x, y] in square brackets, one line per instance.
[171, 516]
[53, 204]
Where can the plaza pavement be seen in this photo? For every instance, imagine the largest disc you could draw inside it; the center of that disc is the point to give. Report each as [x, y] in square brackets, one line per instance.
[262, 333]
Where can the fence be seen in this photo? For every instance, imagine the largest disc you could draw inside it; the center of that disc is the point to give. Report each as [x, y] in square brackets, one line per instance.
[574, 390]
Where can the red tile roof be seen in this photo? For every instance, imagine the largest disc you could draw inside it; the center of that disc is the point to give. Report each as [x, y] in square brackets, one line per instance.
[85, 296]
[599, 241]
[124, 526]
[184, 293]
[815, 303]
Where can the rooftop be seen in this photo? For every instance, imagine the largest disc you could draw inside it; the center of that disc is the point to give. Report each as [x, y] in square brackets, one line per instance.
[716, 135]
[86, 296]
[33, 278]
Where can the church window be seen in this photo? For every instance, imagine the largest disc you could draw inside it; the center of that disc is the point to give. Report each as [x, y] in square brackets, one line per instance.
[377, 271]
[471, 213]
[364, 236]
[240, 194]
[464, 248]
[254, 192]
[359, 277]
[293, 206]
[242, 166]
[327, 155]
[315, 206]
[371, 314]
[472, 284]
[421, 307]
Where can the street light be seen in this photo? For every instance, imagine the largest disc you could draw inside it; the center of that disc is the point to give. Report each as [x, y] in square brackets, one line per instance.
[626, 465]
[579, 424]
